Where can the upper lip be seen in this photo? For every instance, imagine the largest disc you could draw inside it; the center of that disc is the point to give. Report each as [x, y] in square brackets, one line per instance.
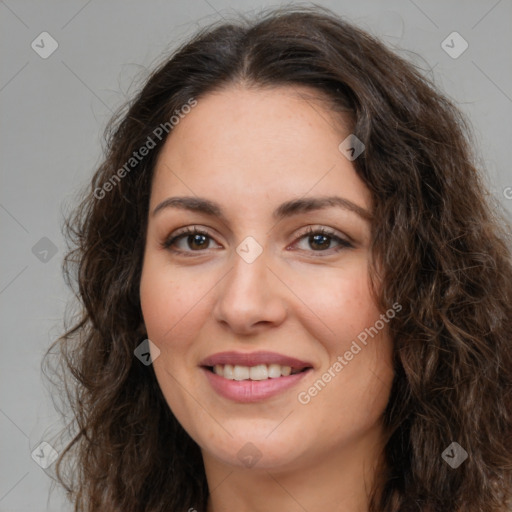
[254, 359]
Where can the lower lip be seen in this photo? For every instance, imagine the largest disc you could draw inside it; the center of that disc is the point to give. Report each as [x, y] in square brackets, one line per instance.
[252, 390]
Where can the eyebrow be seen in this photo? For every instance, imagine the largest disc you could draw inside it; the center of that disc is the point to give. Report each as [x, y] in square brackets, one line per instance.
[287, 209]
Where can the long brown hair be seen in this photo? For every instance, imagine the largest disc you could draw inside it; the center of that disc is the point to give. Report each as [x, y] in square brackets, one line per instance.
[442, 253]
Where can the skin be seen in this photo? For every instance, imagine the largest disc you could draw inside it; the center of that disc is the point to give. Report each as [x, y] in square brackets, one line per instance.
[251, 150]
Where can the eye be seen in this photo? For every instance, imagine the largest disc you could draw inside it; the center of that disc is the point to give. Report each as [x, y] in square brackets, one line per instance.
[194, 240]
[320, 240]
[187, 240]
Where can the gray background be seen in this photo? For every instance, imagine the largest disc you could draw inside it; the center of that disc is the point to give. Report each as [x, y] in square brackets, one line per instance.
[54, 111]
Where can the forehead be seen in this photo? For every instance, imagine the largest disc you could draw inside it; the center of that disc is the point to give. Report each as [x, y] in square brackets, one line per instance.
[258, 143]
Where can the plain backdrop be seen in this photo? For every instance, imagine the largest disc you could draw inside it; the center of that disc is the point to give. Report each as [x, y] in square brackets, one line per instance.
[53, 113]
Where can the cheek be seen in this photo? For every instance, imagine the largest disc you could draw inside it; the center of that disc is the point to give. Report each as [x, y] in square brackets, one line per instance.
[159, 307]
[171, 311]
[341, 303]
[346, 313]
[167, 301]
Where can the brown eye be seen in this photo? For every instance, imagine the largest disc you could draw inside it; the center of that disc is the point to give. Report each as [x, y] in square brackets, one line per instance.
[197, 241]
[188, 240]
[320, 240]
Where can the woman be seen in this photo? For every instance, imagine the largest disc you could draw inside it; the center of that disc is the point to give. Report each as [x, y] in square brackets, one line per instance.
[295, 294]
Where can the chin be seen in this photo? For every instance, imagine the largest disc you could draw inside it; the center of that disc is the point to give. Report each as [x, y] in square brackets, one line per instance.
[257, 451]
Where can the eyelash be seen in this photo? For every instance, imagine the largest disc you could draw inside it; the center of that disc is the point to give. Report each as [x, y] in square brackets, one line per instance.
[169, 242]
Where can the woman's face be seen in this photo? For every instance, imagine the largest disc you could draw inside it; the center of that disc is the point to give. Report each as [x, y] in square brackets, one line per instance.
[276, 282]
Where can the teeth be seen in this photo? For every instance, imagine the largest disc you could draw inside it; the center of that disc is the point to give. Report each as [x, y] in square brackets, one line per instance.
[228, 371]
[241, 372]
[258, 372]
[274, 371]
[285, 371]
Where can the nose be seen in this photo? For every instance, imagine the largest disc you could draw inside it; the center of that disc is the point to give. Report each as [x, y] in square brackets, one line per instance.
[250, 298]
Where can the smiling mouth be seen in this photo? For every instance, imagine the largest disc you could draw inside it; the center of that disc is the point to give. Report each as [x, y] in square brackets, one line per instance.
[255, 373]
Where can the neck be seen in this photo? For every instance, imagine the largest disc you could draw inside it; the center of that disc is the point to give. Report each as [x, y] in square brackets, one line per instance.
[341, 480]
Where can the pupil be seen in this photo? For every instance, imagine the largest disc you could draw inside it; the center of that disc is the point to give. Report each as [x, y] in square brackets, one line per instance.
[316, 239]
[198, 240]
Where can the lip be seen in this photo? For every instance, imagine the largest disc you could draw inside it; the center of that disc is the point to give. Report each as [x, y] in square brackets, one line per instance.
[253, 359]
[247, 391]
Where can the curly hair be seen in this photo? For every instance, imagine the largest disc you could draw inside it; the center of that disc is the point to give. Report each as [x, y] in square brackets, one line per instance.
[440, 247]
